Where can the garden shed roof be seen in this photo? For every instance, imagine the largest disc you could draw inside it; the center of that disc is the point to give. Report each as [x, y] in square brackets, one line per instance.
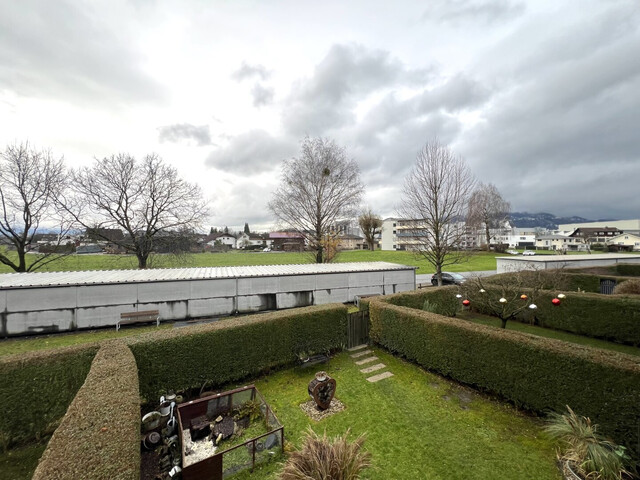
[93, 277]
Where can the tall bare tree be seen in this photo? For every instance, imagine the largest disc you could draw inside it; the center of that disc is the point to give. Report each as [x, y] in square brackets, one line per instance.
[371, 225]
[318, 188]
[434, 205]
[488, 210]
[30, 183]
[145, 199]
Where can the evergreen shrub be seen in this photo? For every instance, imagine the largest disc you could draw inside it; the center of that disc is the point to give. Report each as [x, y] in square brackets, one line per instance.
[37, 387]
[232, 349]
[99, 437]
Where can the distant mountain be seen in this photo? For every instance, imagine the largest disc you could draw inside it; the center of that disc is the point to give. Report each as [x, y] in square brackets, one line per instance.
[543, 220]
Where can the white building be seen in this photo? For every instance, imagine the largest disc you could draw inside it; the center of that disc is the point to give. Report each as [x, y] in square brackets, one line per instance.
[627, 226]
[626, 241]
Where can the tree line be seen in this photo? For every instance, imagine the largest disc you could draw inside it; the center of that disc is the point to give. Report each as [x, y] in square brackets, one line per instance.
[143, 198]
[318, 189]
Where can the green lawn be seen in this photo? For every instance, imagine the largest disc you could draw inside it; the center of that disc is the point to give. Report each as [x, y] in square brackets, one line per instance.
[43, 342]
[549, 333]
[418, 425]
[477, 260]
[20, 463]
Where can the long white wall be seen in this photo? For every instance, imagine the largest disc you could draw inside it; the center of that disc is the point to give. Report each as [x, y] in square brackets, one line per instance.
[32, 310]
[544, 262]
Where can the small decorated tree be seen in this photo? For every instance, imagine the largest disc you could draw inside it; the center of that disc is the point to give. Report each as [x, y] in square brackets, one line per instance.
[510, 296]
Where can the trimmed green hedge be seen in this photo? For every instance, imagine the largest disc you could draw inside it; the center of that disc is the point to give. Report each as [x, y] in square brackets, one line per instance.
[37, 387]
[628, 270]
[415, 298]
[570, 281]
[611, 317]
[99, 437]
[233, 349]
[534, 372]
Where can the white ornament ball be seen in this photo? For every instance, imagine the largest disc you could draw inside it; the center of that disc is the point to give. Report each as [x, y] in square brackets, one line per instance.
[533, 306]
[503, 300]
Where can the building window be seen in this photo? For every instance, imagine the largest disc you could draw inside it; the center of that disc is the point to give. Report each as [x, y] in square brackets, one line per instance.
[394, 225]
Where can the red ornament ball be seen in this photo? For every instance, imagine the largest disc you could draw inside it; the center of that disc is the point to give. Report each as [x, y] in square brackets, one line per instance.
[466, 303]
[556, 301]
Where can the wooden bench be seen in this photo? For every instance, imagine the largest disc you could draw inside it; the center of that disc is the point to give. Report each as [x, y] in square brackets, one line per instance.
[146, 316]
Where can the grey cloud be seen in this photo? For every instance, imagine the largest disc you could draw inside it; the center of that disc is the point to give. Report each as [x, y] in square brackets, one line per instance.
[262, 95]
[246, 202]
[557, 142]
[347, 74]
[252, 152]
[488, 11]
[248, 71]
[458, 93]
[185, 131]
[65, 50]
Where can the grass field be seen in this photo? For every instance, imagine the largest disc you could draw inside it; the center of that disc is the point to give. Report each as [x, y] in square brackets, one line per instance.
[43, 342]
[549, 333]
[418, 425]
[476, 261]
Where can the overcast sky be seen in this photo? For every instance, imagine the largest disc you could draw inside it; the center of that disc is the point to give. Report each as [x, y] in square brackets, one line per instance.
[541, 98]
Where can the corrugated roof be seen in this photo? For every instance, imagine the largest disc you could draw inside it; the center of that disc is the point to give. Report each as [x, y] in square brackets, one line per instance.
[93, 277]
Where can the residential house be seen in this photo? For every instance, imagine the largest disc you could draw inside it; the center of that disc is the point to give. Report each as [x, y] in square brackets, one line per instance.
[226, 239]
[593, 235]
[560, 243]
[287, 241]
[351, 242]
[628, 242]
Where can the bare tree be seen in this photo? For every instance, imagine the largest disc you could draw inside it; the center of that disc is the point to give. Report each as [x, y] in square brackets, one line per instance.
[317, 189]
[30, 182]
[434, 203]
[145, 199]
[371, 225]
[488, 210]
[514, 294]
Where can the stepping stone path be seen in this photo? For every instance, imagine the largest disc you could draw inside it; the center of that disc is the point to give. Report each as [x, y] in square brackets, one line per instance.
[373, 368]
[361, 351]
[366, 360]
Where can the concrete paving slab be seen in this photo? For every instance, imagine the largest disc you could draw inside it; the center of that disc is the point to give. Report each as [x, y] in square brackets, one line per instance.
[356, 348]
[380, 376]
[366, 360]
[361, 354]
[373, 368]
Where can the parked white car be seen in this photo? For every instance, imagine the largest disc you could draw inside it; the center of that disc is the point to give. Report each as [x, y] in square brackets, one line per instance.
[528, 253]
[513, 252]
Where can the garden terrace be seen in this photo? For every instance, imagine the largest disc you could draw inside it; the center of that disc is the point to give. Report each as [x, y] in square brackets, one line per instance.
[537, 373]
[463, 434]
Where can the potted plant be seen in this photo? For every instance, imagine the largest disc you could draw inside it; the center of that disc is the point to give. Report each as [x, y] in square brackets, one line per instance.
[586, 454]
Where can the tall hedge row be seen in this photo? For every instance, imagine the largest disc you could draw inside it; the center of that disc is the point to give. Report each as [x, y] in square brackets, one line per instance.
[228, 350]
[99, 437]
[571, 281]
[611, 317]
[628, 270]
[534, 372]
[37, 387]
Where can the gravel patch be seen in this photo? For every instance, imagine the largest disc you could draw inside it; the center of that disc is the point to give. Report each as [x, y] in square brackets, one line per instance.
[313, 412]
